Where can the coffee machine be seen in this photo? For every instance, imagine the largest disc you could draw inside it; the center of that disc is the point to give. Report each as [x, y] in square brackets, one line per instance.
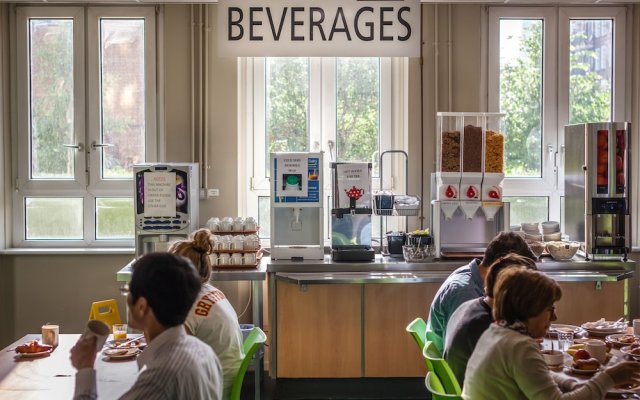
[296, 206]
[597, 188]
[351, 212]
[167, 204]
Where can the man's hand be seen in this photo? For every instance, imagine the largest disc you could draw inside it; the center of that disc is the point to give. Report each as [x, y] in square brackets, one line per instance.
[83, 354]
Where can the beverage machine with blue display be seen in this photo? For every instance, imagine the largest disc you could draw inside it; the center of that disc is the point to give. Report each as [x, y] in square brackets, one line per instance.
[167, 202]
[296, 206]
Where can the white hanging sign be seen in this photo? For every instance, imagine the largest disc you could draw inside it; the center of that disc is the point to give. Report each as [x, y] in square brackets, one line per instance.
[328, 28]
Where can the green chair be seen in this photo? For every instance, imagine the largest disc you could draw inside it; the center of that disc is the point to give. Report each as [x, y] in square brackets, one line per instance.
[250, 346]
[418, 329]
[441, 368]
[435, 387]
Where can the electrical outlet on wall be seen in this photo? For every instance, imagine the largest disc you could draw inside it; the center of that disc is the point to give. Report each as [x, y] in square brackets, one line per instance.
[214, 192]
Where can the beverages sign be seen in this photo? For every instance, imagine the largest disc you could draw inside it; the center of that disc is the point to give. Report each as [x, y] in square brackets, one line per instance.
[347, 28]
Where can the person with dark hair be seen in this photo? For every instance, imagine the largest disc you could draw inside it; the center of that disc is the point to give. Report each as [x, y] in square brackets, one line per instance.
[507, 362]
[212, 318]
[467, 283]
[174, 365]
[473, 317]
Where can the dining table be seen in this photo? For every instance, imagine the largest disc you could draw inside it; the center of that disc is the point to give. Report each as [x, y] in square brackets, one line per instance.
[615, 357]
[51, 376]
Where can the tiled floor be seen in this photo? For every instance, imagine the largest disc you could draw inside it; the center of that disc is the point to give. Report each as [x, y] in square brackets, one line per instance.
[338, 389]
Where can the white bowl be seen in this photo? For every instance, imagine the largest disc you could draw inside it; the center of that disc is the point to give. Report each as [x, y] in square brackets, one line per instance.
[563, 250]
[553, 357]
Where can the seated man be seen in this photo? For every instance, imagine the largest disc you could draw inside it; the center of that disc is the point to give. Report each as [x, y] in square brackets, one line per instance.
[467, 283]
[473, 317]
[174, 365]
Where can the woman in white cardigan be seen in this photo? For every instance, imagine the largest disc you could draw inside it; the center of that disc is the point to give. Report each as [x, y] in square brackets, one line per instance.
[507, 363]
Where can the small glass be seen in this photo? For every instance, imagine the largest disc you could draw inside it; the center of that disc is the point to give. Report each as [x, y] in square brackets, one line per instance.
[119, 331]
[565, 340]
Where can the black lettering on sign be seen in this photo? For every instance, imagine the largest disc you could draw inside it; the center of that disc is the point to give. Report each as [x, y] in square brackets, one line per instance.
[276, 35]
[405, 23]
[316, 22]
[295, 22]
[253, 22]
[334, 28]
[233, 22]
[368, 24]
[384, 22]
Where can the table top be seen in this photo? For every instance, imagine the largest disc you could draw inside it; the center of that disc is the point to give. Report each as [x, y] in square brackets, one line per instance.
[616, 357]
[53, 376]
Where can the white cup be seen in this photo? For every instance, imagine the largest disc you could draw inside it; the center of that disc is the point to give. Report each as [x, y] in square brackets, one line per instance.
[250, 224]
[98, 329]
[238, 243]
[213, 224]
[226, 224]
[597, 349]
[50, 334]
[636, 327]
[236, 259]
[252, 242]
[249, 258]
[213, 258]
[225, 243]
[238, 224]
[223, 259]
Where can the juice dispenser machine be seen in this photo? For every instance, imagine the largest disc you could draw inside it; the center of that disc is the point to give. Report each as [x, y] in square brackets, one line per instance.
[296, 206]
[351, 212]
[467, 207]
[167, 202]
[597, 188]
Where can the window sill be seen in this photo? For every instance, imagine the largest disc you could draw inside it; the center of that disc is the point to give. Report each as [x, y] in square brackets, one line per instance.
[68, 251]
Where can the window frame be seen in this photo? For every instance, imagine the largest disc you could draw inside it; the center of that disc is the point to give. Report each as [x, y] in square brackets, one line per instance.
[322, 128]
[87, 183]
[555, 104]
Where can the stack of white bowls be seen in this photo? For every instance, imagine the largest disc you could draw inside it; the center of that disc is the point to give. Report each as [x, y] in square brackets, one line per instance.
[551, 231]
[531, 231]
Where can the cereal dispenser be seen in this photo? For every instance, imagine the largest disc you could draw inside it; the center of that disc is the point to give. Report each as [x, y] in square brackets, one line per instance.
[468, 178]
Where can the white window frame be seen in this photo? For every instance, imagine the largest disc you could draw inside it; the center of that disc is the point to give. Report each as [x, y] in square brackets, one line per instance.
[322, 127]
[87, 182]
[555, 88]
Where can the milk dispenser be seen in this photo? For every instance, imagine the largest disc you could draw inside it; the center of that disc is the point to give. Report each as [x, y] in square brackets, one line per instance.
[597, 188]
[467, 207]
[167, 204]
[296, 206]
[351, 212]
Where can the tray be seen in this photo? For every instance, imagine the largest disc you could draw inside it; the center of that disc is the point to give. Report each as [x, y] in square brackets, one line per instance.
[236, 232]
[237, 251]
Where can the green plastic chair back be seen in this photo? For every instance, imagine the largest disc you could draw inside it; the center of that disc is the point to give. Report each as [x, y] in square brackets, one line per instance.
[418, 329]
[435, 387]
[250, 346]
[441, 368]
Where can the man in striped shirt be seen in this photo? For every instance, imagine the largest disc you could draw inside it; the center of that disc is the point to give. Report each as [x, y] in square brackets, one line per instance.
[174, 365]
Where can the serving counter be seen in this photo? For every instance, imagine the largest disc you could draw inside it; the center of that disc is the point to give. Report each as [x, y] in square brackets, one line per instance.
[350, 318]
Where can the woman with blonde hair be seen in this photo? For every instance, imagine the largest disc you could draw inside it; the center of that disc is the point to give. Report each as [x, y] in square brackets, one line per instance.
[507, 362]
[212, 318]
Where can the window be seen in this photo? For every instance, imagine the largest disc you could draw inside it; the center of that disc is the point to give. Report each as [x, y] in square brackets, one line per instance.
[342, 106]
[548, 68]
[85, 101]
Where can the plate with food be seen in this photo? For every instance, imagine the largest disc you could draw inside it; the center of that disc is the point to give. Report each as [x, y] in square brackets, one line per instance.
[122, 353]
[632, 351]
[604, 328]
[137, 343]
[583, 366]
[32, 349]
[622, 339]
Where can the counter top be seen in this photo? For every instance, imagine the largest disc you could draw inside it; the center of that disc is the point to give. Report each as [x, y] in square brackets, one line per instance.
[253, 274]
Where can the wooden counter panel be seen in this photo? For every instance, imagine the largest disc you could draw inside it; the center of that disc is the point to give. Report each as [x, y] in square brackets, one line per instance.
[319, 332]
[389, 350]
[582, 302]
